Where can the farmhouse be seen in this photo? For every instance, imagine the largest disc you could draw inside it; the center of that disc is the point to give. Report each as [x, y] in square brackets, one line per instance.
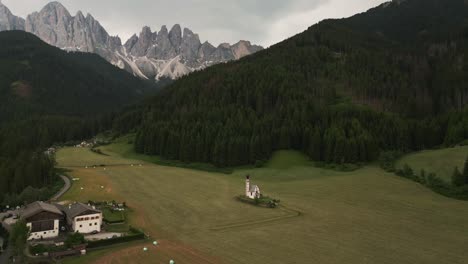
[83, 218]
[43, 220]
[251, 191]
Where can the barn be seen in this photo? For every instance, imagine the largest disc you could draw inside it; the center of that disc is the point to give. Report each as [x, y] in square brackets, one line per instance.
[43, 220]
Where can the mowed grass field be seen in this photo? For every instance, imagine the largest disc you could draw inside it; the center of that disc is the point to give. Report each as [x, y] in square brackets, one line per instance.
[442, 161]
[365, 216]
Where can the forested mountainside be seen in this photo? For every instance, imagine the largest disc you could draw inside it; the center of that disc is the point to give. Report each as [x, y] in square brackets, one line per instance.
[48, 95]
[40, 78]
[393, 78]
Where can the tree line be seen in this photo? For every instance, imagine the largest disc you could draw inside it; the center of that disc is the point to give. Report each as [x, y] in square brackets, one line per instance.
[460, 178]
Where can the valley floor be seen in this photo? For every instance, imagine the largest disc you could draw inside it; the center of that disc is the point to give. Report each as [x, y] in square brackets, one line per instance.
[365, 216]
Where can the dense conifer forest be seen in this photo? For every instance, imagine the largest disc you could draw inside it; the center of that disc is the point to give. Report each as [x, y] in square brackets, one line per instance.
[46, 96]
[393, 78]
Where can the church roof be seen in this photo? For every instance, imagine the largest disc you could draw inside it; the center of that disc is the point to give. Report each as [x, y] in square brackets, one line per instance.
[253, 188]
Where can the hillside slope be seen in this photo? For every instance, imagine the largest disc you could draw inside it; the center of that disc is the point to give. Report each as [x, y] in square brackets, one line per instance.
[40, 78]
[394, 77]
[48, 95]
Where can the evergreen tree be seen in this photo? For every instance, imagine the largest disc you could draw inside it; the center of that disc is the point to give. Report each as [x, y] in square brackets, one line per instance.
[457, 178]
[465, 172]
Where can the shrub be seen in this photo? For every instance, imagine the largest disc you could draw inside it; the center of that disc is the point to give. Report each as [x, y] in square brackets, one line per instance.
[38, 249]
[74, 239]
[113, 217]
[388, 159]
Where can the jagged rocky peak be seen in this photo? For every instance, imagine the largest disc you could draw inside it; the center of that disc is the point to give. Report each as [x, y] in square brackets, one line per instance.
[164, 30]
[190, 46]
[8, 21]
[80, 16]
[222, 53]
[51, 24]
[162, 48]
[149, 55]
[244, 48]
[143, 42]
[131, 42]
[175, 36]
[57, 7]
[56, 26]
[206, 50]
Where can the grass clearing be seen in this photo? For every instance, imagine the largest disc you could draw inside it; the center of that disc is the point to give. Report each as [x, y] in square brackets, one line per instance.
[441, 161]
[113, 216]
[364, 216]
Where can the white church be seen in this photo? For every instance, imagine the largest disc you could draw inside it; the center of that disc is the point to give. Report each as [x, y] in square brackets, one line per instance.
[251, 191]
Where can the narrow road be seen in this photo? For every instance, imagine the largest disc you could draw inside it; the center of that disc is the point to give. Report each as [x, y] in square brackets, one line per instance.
[63, 190]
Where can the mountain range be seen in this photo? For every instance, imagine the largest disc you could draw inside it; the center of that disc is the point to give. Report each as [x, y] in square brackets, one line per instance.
[150, 55]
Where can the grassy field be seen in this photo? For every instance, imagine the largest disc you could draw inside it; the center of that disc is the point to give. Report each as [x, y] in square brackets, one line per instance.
[113, 216]
[442, 162]
[125, 150]
[364, 216]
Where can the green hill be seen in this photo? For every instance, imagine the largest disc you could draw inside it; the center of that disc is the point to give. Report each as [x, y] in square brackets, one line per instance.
[393, 78]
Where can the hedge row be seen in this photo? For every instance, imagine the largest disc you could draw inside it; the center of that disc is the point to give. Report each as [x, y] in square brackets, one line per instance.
[113, 221]
[107, 242]
[430, 180]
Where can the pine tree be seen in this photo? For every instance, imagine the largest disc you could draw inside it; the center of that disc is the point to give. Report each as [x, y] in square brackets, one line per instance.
[465, 172]
[457, 178]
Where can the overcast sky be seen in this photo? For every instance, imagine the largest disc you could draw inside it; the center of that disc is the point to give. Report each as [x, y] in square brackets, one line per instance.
[263, 22]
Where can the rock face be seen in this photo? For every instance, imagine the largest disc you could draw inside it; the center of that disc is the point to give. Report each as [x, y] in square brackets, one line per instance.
[8, 21]
[56, 26]
[150, 55]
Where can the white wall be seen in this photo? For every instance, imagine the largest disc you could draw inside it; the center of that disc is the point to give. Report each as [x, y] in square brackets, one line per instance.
[44, 234]
[93, 223]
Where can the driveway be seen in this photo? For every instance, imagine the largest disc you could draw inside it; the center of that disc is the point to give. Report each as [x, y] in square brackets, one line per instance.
[63, 190]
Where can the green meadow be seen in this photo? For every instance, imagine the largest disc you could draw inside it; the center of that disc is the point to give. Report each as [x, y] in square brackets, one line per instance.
[441, 161]
[326, 216]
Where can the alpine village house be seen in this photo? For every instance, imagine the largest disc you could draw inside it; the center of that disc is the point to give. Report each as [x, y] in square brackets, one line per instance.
[46, 220]
[83, 218]
[43, 220]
